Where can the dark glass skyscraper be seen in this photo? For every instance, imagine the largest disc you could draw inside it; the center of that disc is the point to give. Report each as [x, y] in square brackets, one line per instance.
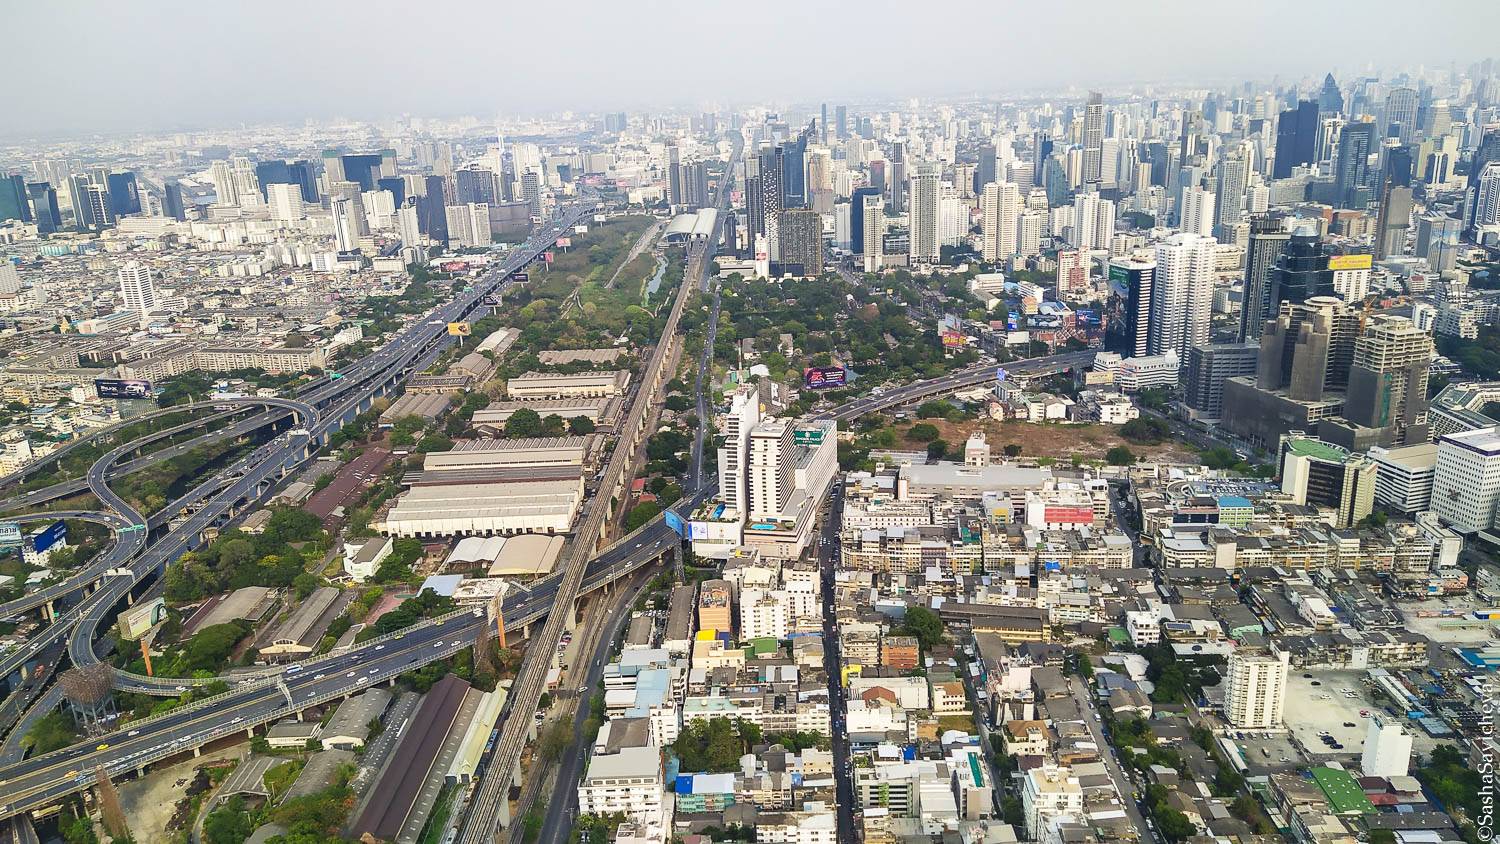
[44, 207]
[273, 172]
[1267, 242]
[1301, 271]
[13, 203]
[1296, 138]
[794, 170]
[124, 194]
[857, 217]
[171, 202]
[1351, 167]
[303, 174]
[1330, 99]
[396, 185]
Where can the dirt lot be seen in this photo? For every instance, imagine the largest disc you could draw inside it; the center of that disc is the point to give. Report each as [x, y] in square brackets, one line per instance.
[1059, 441]
[149, 802]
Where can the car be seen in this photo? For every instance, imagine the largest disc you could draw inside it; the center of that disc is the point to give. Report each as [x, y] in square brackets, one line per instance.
[1307, 676]
[437, 644]
[133, 733]
[350, 674]
[236, 719]
[380, 647]
[102, 747]
[319, 676]
[1316, 683]
[1350, 724]
[362, 680]
[182, 688]
[1364, 713]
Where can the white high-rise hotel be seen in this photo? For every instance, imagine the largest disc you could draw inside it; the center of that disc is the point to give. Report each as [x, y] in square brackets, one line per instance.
[136, 287]
[1255, 689]
[1182, 294]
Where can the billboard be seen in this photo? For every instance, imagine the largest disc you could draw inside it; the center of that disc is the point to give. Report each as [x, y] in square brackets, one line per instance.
[808, 436]
[10, 535]
[49, 536]
[142, 617]
[1351, 262]
[674, 522]
[118, 388]
[521, 276]
[459, 329]
[454, 266]
[824, 377]
[699, 530]
[564, 242]
[547, 256]
[1062, 514]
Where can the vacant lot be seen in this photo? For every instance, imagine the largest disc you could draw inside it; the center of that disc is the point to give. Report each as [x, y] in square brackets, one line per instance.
[1058, 441]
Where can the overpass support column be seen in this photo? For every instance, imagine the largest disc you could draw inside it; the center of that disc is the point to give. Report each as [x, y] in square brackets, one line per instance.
[197, 751]
[502, 811]
[129, 597]
[50, 612]
[249, 732]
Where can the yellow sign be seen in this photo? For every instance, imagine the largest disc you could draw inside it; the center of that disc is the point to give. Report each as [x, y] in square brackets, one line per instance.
[458, 329]
[1351, 262]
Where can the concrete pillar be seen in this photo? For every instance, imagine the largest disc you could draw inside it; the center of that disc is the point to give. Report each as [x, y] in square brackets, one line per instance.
[197, 751]
[502, 813]
[249, 732]
[130, 597]
[49, 612]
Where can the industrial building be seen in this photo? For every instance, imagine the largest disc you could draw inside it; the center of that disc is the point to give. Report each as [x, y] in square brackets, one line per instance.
[491, 420]
[547, 385]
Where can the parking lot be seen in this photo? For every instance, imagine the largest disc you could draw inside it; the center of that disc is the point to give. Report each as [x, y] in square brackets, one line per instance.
[1264, 754]
[1314, 709]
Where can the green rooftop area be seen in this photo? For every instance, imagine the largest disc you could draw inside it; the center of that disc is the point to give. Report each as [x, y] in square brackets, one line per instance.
[1316, 449]
[1342, 791]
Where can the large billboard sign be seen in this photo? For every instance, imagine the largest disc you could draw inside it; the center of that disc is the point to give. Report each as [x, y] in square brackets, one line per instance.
[1351, 262]
[119, 388]
[675, 522]
[10, 535]
[53, 534]
[824, 377]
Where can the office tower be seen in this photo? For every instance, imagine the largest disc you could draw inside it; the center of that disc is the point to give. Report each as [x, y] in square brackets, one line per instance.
[985, 169]
[1029, 233]
[285, 200]
[1000, 205]
[857, 218]
[926, 244]
[695, 184]
[1387, 750]
[531, 191]
[898, 181]
[432, 214]
[802, 240]
[222, 176]
[1206, 368]
[1487, 201]
[96, 201]
[1387, 389]
[674, 175]
[468, 225]
[823, 125]
[13, 202]
[1396, 204]
[873, 232]
[1324, 475]
[380, 208]
[124, 194]
[1267, 242]
[615, 122]
[1351, 169]
[1486, 153]
[770, 470]
[1182, 294]
[345, 223]
[246, 186]
[362, 168]
[1466, 481]
[1041, 152]
[755, 201]
[395, 186]
[1401, 114]
[1438, 241]
[1307, 348]
[1093, 222]
[44, 208]
[407, 223]
[476, 184]
[136, 287]
[1255, 688]
[273, 172]
[172, 203]
[771, 195]
[1301, 271]
[1330, 99]
[841, 121]
[350, 191]
[742, 417]
[1229, 194]
[1133, 277]
[303, 174]
[794, 170]
[1093, 139]
[10, 280]
[877, 175]
[1197, 211]
[1296, 138]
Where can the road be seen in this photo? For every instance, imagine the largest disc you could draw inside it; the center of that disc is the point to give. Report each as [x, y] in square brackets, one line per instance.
[828, 555]
[972, 377]
[1123, 785]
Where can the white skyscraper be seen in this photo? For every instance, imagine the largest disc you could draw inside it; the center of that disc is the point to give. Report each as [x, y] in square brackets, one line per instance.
[1029, 233]
[136, 287]
[953, 216]
[1182, 294]
[1001, 206]
[1387, 749]
[1229, 197]
[246, 183]
[1197, 212]
[406, 224]
[1093, 222]
[345, 228]
[926, 242]
[10, 280]
[222, 175]
[286, 202]
[743, 415]
[380, 208]
[770, 470]
[1466, 480]
[1487, 209]
[873, 234]
[1255, 689]
[468, 224]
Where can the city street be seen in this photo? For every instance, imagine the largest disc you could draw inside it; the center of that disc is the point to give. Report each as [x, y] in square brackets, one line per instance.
[828, 557]
[1123, 784]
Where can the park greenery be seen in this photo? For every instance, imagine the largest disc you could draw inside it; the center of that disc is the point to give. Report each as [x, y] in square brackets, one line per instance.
[274, 557]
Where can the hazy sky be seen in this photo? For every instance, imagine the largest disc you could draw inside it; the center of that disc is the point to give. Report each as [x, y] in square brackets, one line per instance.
[75, 66]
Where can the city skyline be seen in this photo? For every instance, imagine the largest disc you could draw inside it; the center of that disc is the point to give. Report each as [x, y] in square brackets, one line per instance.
[624, 58]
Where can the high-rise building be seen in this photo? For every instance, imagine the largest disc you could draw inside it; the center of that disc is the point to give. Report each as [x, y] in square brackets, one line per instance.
[1301, 270]
[285, 200]
[345, 224]
[771, 196]
[1133, 277]
[1000, 205]
[742, 417]
[13, 201]
[1296, 138]
[1267, 241]
[44, 207]
[136, 287]
[1197, 213]
[1466, 481]
[96, 205]
[1401, 114]
[531, 191]
[794, 170]
[1093, 139]
[1330, 99]
[1351, 174]
[857, 218]
[1388, 381]
[1438, 241]
[408, 224]
[802, 240]
[222, 176]
[1207, 368]
[873, 233]
[897, 184]
[1255, 688]
[770, 470]
[467, 225]
[10, 280]
[841, 121]
[1093, 221]
[476, 184]
[1487, 201]
[1308, 348]
[1041, 152]
[985, 170]
[1321, 474]
[1182, 293]
[926, 242]
[124, 194]
[172, 203]
[1072, 275]
[1387, 750]
[1229, 194]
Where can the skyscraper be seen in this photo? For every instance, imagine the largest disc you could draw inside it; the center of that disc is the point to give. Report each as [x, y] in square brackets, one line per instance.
[873, 232]
[96, 201]
[172, 204]
[1296, 138]
[771, 194]
[124, 194]
[44, 207]
[857, 218]
[1041, 151]
[1000, 205]
[285, 200]
[1401, 114]
[1307, 349]
[1351, 168]
[222, 176]
[1182, 293]
[802, 240]
[926, 243]
[1255, 688]
[794, 170]
[1301, 270]
[13, 202]
[136, 287]
[770, 470]
[345, 223]
[1133, 278]
[898, 178]
[1267, 242]
[1229, 194]
[1093, 221]
[1388, 381]
[1197, 214]
[1093, 139]
[1330, 99]
[841, 121]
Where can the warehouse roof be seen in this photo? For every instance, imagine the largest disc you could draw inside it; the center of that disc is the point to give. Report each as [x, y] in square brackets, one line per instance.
[527, 555]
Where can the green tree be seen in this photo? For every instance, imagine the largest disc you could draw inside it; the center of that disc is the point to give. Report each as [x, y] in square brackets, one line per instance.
[937, 449]
[641, 514]
[1120, 456]
[580, 425]
[924, 624]
[922, 432]
[228, 824]
[525, 422]
[1012, 449]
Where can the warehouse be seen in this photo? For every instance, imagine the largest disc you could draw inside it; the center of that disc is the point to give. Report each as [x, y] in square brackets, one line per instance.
[533, 453]
[567, 356]
[429, 407]
[600, 410]
[546, 385]
[485, 509]
[528, 556]
[298, 633]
